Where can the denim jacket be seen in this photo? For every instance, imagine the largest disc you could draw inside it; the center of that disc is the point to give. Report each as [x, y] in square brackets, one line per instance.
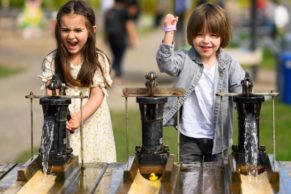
[187, 67]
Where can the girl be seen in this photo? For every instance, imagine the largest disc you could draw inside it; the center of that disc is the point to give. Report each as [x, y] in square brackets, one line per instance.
[203, 71]
[83, 68]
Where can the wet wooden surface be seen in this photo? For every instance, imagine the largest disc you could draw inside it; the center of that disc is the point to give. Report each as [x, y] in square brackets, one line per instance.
[106, 178]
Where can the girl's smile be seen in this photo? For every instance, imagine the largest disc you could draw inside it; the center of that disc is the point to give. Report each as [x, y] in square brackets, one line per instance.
[74, 33]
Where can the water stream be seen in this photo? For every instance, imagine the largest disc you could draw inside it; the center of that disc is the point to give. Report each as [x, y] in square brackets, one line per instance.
[251, 143]
[46, 141]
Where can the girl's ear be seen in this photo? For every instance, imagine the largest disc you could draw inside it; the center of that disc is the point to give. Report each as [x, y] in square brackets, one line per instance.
[94, 29]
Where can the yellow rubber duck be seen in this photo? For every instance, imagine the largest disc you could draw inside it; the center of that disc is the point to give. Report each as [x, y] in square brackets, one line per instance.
[153, 177]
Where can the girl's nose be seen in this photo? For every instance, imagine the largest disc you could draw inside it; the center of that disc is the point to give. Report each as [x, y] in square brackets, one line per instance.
[71, 34]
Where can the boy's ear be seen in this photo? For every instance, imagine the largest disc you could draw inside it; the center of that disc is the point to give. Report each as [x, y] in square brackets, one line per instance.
[95, 28]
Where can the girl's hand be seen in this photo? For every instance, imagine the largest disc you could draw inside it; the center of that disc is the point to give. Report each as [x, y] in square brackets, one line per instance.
[74, 122]
[170, 20]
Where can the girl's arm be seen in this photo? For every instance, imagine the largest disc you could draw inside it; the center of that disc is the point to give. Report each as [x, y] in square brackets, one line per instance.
[95, 99]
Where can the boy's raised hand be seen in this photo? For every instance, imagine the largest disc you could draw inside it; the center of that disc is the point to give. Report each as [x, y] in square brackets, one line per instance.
[170, 23]
[170, 20]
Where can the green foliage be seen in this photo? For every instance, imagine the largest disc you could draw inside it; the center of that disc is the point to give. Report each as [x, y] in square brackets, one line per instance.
[7, 71]
[269, 59]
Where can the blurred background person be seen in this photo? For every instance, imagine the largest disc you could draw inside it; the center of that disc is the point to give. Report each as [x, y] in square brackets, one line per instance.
[161, 9]
[31, 19]
[105, 5]
[120, 31]
[180, 10]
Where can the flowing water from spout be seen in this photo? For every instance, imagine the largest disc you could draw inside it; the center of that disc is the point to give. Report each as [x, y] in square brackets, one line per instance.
[256, 185]
[46, 141]
[251, 143]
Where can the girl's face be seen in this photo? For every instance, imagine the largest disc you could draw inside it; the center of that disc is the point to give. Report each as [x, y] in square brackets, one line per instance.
[207, 45]
[74, 33]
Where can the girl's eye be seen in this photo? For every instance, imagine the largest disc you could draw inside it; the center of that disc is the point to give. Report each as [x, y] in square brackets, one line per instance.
[64, 30]
[78, 30]
[214, 35]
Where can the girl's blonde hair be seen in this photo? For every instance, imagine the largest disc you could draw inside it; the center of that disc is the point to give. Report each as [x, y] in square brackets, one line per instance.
[212, 18]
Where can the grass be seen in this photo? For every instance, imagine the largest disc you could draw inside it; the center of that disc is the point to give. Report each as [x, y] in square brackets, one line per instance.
[8, 71]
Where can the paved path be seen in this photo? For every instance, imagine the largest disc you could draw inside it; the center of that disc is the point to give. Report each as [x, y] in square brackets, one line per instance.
[28, 54]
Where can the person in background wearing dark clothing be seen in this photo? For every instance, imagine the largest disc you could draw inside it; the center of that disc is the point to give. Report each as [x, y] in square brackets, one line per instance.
[219, 2]
[119, 31]
[161, 10]
[181, 7]
[133, 9]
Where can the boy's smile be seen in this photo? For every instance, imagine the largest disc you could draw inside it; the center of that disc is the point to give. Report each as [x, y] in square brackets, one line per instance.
[207, 45]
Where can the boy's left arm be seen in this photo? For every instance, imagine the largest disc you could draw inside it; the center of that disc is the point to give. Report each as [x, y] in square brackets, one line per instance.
[236, 75]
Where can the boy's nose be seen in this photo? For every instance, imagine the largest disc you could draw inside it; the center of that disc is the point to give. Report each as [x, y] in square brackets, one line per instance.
[206, 38]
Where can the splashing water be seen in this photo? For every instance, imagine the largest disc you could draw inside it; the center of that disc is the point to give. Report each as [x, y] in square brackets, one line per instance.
[251, 143]
[46, 141]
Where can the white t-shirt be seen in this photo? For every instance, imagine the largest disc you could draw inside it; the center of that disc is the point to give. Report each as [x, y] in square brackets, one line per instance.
[197, 117]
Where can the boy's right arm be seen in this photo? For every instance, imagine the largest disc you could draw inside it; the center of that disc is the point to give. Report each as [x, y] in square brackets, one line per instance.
[169, 61]
[169, 21]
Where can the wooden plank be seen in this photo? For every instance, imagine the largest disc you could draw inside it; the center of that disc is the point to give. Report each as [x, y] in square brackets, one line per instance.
[6, 168]
[9, 183]
[29, 168]
[111, 178]
[39, 183]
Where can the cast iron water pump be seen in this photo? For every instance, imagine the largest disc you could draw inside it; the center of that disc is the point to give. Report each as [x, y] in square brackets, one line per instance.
[248, 109]
[54, 134]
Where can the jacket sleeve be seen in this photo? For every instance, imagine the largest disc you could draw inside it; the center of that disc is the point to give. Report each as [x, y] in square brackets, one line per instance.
[169, 61]
[236, 75]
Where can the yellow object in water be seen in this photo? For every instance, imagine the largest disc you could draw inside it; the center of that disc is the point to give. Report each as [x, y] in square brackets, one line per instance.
[142, 185]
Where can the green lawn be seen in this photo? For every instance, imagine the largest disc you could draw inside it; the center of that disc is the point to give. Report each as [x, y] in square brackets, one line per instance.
[282, 129]
[7, 71]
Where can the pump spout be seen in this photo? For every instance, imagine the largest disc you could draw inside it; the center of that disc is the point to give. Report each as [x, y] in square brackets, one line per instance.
[247, 85]
[56, 84]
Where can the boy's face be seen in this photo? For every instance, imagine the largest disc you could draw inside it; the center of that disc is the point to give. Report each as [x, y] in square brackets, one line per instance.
[207, 45]
[74, 33]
